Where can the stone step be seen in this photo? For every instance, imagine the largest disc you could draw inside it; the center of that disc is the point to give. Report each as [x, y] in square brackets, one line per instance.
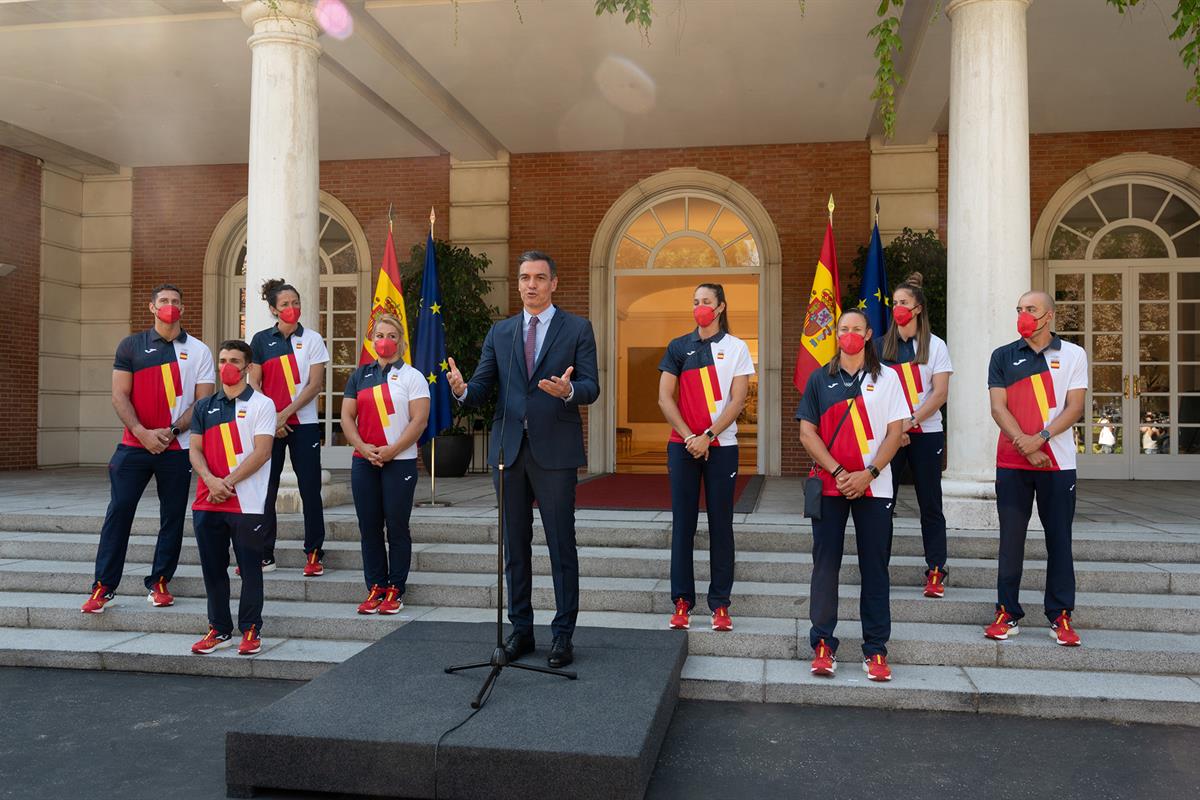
[1045, 693]
[1114, 697]
[1145, 612]
[1091, 541]
[758, 637]
[639, 562]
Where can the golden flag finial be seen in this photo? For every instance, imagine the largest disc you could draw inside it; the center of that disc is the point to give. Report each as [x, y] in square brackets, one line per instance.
[432, 219]
[830, 207]
[389, 217]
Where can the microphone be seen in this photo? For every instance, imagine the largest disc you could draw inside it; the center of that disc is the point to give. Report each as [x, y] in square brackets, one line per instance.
[508, 386]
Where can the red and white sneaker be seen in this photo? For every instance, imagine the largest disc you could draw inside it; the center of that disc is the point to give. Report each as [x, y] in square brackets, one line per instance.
[681, 620]
[721, 621]
[824, 662]
[251, 644]
[935, 583]
[212, 641]
[877, 668]
[1064, 632]
[373, 602]
[312, 566]
[393, 601]
[268, 565]
[1004, 626]
[159, 597]
[101, 596]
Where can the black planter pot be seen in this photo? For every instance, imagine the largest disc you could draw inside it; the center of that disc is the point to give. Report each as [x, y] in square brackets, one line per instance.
[453, 454]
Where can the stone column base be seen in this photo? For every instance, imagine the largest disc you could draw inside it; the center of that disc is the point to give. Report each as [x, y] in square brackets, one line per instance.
[288, 500]
[971, 505]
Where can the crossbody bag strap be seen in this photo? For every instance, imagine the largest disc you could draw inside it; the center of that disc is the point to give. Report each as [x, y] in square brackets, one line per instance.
[849, 406]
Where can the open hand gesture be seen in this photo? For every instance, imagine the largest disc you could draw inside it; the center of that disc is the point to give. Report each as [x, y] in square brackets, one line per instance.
[457, 384]
[557, 386]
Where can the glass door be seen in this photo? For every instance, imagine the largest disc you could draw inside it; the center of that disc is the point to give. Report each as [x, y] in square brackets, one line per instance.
[1140, 325]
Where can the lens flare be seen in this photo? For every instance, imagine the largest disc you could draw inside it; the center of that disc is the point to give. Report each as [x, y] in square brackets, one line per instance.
[625, 85]
[334, 18]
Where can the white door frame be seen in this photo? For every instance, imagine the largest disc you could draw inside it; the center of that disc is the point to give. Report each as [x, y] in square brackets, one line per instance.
[602, 415]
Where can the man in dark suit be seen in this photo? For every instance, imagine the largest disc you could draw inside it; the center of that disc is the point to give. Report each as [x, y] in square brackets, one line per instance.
[543, 361]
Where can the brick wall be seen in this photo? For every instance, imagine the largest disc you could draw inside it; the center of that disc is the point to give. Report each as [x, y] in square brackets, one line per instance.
[1055, 157]
[558, 200]
[176, 209]
[20, 293]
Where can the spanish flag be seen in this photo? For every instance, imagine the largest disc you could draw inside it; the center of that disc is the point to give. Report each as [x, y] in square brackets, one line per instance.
[818, 341]
[389, 299]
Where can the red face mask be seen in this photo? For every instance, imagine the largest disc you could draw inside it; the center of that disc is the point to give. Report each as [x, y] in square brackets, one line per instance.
[386, 348]
[851, 343]
[902, 314]
[230, 374]
[290, 314]
[1027, 324]
[168, 314]
[704, 315]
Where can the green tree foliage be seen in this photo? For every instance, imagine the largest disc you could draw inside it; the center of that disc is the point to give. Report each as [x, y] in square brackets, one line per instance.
[465, 312]
[907, 253]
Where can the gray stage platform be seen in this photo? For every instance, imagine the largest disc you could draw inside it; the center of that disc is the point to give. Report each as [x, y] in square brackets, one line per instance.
[368, 726]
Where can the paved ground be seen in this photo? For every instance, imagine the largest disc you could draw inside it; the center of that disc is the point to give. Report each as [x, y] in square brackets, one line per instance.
[90, 734]
[1163, 506]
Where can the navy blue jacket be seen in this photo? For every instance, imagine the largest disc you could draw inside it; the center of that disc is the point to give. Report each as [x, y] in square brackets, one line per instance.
[555, 427]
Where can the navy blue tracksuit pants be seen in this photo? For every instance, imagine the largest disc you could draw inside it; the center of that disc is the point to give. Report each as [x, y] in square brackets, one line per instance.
[719, 476]
[384, 495]
[924, 458]
[873, 536]
[1055, 494]
[554, 490]
[215, 530]
[129, 472]
[304, 442]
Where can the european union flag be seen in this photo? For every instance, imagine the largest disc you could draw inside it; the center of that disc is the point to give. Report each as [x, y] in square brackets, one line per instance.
[873, 295]
[431, 348]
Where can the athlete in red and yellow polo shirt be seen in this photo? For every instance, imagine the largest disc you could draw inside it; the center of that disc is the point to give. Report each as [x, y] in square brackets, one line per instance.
[1037, 386]
[157, 375]
[234, 429]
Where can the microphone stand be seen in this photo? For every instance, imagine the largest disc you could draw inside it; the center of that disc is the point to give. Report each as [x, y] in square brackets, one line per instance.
[499, 659]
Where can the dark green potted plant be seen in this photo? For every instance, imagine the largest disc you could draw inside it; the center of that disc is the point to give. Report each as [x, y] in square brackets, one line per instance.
[466, 317]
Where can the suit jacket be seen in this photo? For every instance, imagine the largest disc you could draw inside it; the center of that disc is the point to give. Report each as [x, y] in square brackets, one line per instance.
[555, 427]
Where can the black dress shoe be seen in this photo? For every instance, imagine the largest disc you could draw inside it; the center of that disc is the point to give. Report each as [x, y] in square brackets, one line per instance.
[518, 644]
[562, 653]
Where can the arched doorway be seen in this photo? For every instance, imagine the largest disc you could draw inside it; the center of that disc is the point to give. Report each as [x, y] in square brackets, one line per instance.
[1121, 255]
[664, 236]
[345, 265]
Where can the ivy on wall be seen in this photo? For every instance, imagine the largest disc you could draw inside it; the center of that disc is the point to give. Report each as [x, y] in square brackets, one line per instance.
[888, 44]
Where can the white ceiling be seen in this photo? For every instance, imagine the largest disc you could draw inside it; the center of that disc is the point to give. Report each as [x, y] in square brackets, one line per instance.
[146, 82]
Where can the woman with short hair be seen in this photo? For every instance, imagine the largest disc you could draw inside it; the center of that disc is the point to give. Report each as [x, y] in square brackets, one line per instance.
[384, 412]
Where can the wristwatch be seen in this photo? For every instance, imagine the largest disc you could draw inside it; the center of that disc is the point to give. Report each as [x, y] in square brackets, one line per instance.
[871, 469]
[175, 431]
[1045, 434]
[710, 434]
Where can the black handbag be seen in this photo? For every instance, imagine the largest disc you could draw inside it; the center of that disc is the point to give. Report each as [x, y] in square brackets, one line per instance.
[813, 487]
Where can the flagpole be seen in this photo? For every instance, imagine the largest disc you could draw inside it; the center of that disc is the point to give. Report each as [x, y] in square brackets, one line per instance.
[433, 501]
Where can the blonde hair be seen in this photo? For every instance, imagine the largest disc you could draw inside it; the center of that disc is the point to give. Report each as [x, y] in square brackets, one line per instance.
[390, 319]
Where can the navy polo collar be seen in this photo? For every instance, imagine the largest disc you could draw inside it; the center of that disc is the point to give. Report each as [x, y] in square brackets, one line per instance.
[1055, 344]
[182, 337]
[695, 337]
[276, 332]
[246, 394]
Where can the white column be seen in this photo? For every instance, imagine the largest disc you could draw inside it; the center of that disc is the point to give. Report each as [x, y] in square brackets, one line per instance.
[988, 231]
[284, 169]
[283, 192]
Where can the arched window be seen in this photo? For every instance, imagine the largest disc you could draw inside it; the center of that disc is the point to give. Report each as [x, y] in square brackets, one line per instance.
[689, 231]
[1128, 220]
[345, 263]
